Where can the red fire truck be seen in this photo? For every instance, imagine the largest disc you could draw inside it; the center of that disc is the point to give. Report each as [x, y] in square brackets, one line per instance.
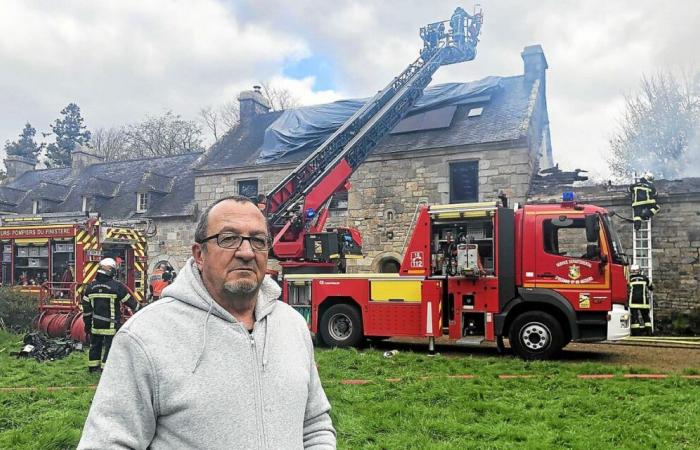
[55, 256]
[541, 275]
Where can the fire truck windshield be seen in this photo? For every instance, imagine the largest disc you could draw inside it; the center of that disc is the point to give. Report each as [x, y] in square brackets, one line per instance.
[618, 252]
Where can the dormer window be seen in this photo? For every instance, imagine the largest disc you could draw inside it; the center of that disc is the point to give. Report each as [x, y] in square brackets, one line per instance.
[86, 202]
[141, 202]
[36, 206]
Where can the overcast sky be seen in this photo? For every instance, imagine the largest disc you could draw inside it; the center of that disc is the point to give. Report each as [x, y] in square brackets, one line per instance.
[122, 60]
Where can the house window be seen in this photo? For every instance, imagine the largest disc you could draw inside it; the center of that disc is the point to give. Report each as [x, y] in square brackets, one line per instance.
[248, 188]
[36, 206]
[339, 201]
[141, 202]
[464, 182]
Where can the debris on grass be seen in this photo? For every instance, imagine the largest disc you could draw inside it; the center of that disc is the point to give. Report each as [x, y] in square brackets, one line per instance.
[43, 348]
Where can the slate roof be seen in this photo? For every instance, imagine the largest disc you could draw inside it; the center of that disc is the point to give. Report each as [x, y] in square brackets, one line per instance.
[112, 186]
[156, 182]
[505, 117]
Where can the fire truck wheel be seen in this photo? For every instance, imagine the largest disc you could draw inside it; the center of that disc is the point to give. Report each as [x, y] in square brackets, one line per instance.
[341, 326]
[536, 335]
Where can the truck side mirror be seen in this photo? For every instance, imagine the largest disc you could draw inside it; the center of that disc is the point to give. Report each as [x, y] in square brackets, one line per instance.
[592, 228]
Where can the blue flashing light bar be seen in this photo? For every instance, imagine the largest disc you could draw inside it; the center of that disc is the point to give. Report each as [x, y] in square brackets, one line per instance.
[568, 197]
[310, 213]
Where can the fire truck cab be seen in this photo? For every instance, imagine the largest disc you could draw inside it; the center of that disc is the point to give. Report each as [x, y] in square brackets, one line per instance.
[540, 275]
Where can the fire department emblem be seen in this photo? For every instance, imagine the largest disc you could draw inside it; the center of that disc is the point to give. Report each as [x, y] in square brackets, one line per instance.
[574, 272]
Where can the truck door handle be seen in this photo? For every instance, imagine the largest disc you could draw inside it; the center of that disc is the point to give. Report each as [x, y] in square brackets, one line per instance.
[546, 275]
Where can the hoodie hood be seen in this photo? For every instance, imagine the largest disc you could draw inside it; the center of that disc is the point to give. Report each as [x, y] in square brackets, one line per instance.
[188, 288]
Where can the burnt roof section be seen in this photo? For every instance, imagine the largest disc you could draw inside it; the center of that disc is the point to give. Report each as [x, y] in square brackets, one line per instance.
[554, 178]
[540, 192]
[114, 186]
[505, 117]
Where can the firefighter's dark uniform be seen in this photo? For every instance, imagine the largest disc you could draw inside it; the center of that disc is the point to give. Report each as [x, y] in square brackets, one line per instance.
[643, 201]
[101, 304]
[640, 286]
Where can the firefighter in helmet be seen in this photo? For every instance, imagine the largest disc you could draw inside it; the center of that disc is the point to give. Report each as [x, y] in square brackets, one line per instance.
[644, 199]
[639, 300]
[101, 305]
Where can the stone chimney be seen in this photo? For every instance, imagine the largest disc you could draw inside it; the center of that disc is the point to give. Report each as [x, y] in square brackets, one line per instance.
[252, 103]
[81, 158]
[17, 165]
[535, 63]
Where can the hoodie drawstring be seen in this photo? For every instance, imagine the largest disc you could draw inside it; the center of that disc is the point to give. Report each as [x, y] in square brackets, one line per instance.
[204, 345]
[267, 337]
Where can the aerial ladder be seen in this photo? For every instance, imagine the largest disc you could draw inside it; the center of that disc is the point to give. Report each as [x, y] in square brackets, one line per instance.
[297, 207]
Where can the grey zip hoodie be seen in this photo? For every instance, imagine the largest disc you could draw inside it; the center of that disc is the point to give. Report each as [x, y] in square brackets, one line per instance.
[184, 373]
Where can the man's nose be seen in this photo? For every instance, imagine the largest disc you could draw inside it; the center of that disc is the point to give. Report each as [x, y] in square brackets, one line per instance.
[245, 250]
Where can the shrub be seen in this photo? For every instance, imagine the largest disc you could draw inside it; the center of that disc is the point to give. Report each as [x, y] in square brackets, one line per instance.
[17, 310]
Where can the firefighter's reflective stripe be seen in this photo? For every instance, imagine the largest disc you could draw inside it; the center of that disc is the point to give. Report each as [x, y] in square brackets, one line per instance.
[126, 298]
[94, 362]
[638, 295]
[111, 299]
[642, 195]
[103, 318]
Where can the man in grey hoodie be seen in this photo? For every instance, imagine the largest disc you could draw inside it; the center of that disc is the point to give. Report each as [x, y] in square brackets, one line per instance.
[218, 362]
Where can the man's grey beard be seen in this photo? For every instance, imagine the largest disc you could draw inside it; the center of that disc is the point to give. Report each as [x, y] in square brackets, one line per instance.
[241, 287]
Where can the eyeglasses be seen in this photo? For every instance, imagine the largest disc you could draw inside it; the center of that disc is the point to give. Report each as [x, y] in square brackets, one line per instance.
[233, 241]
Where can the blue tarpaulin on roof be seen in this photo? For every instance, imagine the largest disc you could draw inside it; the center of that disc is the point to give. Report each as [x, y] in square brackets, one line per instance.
[307, 127]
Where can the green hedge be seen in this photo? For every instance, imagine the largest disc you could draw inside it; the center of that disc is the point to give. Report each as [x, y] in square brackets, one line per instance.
[17, 310]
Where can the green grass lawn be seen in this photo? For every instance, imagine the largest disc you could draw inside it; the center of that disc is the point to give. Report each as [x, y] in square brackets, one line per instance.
[553, 409]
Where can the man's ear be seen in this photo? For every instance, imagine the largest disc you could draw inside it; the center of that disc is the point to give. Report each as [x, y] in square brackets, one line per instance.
[198, 252]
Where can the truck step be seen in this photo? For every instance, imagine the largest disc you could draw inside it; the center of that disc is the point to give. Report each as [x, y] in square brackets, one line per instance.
[471, 340]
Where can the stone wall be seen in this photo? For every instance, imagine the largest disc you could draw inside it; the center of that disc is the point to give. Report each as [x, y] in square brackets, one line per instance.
[172, 242]
[387, 189]
[211, 187]
[675, 241]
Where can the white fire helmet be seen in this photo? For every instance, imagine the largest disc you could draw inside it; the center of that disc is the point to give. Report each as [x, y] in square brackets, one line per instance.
[649, 176]
[634, 268]
[107, 266]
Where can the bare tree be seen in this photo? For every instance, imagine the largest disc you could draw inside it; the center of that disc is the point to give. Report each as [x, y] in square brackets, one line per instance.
[279, 98]
[111, 143]
[211, 119]
[220, 120]
[659, 128]
[230, 114]
[164, 135]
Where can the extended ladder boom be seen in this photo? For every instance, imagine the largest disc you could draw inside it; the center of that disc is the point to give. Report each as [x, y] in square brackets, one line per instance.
[313, 182]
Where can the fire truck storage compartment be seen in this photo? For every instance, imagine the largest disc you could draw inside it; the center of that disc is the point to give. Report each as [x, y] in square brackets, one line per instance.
[62, 256]
[463, 247]
[117, 252]
[31, 261]
[473, 324]
[299, 297]
[320, 246]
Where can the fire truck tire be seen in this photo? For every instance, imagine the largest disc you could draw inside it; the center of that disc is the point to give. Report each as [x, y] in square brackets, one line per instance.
[536, 335]
[341, 326]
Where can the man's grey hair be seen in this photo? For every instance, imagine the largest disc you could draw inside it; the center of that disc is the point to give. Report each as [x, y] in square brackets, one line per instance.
[200, 232]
